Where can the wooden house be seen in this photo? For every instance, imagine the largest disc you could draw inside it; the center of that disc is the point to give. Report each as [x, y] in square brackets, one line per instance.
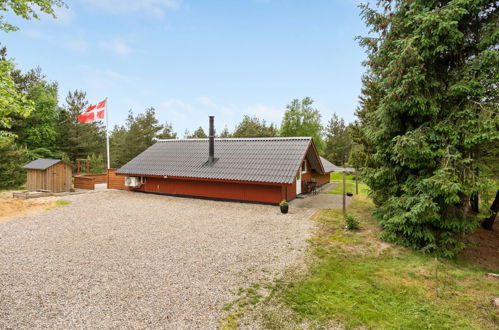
[266, 170]
[52, 175]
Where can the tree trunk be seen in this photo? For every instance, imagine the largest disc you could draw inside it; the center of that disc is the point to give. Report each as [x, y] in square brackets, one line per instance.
[474, 203]
[489, 222]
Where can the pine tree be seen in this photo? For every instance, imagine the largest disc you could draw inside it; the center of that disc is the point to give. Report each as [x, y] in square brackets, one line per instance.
[167, 132]
[254, 127]
[225, 133]
[197, 134]
[429, 116]
[138, 133]
[79, 140]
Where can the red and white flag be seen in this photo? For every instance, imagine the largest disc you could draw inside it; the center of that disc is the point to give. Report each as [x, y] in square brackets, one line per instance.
[94, 112]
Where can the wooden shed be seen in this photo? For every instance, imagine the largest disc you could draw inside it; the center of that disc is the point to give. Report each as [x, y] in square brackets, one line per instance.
[52, 175]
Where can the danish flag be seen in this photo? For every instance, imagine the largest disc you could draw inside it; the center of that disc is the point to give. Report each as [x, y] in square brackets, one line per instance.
[94, 112]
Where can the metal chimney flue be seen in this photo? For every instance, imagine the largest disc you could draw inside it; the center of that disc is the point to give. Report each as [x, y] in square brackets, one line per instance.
[211, 151]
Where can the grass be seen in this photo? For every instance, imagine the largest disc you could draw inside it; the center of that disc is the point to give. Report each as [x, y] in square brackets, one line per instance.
[357, 281]
[338, 176]
[12, 189]
[350, 184]
[58, 203]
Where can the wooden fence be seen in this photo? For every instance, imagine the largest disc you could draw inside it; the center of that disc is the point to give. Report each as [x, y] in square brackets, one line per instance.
[88, 181]
[114, 181]
[83, 182]
[99, 178]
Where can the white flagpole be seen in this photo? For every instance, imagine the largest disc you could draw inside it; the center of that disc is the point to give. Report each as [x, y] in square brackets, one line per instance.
[107, 138]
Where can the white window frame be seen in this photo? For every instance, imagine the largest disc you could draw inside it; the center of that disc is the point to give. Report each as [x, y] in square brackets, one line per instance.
[303, 165]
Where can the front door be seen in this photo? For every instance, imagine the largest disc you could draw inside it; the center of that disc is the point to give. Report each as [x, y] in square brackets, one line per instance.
[298, 183]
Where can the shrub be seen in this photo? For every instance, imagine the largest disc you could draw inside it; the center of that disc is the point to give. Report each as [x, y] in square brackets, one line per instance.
[283, 203]
[352, 222]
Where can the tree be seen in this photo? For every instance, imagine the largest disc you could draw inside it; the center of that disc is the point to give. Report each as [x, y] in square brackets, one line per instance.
[39, 130]
[97, 164]
[198, 134]
[12, 158]
[147, 126]
[27, 9]
[429, 117]
[254, 127]
[12, 103]
[225, 133]
[138, 133]
[79, 140]
[167, 132]
[301, 119]
[338, 141]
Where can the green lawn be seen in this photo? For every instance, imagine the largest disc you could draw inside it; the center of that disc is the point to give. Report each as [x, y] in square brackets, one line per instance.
[355, 280]
[337, 178]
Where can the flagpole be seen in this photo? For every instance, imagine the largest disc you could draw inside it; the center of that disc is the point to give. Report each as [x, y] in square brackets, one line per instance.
[107, 138]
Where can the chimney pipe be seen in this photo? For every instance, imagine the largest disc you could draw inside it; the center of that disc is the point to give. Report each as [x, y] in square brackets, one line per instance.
[211, 158]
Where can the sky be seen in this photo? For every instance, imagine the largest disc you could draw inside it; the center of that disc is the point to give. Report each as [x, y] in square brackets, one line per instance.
[193, 58]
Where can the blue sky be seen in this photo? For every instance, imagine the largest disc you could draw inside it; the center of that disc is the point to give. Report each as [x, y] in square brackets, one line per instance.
[194, 58]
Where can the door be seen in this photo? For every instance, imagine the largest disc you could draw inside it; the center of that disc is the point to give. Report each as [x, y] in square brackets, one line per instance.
[298, 183]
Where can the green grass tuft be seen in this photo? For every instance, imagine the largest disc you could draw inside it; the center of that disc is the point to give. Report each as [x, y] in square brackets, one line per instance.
[62, 202]
[58, 203]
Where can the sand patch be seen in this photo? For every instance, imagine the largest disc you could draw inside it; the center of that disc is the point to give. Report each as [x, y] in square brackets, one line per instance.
[11, 208]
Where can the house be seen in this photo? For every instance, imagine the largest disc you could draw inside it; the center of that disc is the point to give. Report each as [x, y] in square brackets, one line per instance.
[266, 170]
[52, 175]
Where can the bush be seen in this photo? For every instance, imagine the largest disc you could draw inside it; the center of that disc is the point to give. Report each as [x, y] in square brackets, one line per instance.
[283, 203]
[352, 222]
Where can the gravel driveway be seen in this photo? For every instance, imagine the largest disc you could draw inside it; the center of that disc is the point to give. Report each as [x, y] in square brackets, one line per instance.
[119, 259]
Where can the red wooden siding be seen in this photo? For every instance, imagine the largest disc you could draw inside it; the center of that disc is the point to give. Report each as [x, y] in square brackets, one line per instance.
[312, 175]
[214, 189]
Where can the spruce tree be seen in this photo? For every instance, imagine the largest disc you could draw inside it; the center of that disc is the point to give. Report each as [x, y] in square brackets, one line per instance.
[429, 116]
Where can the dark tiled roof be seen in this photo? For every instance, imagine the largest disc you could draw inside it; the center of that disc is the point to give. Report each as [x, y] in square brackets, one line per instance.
[41, 164]
[328, 166]
[273, 160]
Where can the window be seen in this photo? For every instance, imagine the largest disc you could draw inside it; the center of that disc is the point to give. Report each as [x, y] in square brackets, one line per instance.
[304, 167]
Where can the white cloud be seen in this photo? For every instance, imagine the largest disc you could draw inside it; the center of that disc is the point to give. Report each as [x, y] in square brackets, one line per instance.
[195, 113]
[117, 46]
[154, 7]
[206, 101]
[102, 79]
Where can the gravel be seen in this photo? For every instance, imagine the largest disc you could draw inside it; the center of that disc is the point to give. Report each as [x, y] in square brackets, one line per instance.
[118, 259]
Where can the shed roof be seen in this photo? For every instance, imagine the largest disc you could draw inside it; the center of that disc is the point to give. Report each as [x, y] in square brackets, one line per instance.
[272, 160]
[328, 166]
[41, 164]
